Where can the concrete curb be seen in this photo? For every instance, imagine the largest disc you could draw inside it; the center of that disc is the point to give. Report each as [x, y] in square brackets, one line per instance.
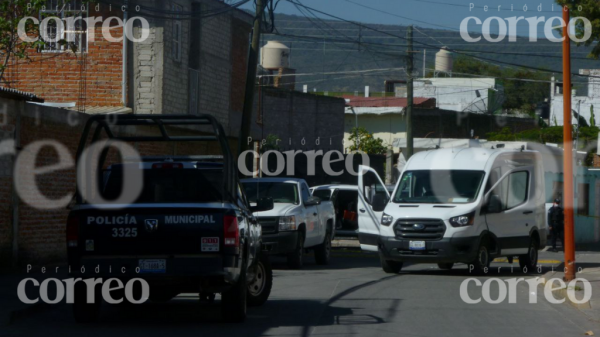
[560, 294]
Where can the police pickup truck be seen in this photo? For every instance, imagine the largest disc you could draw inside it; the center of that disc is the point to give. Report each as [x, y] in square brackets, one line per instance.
[298, 221]
[189, 228]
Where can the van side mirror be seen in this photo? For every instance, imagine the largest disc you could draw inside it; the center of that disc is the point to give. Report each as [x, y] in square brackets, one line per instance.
[495, 204]
[379, 202]
[263, 204]
[312, 201]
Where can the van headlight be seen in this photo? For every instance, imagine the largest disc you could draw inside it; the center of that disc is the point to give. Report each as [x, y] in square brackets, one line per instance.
[386, 219]
[463, 220]
[287, 223]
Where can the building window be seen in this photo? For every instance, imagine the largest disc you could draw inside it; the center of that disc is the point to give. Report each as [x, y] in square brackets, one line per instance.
[176, 51]
[583, 200]
[73, 34]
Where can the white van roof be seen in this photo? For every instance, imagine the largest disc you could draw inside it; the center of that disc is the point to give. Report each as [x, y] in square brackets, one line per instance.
[456, 159]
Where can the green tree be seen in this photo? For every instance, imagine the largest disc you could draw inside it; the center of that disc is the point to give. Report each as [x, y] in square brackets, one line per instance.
[271, 143]
[592, 117]
[519, 95]
[365, 142]
[590, 9]
[12, 47]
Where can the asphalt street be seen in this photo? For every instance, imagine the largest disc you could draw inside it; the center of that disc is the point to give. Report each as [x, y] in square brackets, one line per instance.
[351, 296]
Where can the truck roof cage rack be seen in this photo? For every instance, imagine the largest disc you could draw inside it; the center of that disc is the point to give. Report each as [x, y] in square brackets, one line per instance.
[107, 123]
[178, 158]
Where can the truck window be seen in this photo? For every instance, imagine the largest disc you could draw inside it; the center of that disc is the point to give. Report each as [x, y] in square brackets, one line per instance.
[285, 193]
[324, 194]
[439, 186]
[170, 185]
[304, 190]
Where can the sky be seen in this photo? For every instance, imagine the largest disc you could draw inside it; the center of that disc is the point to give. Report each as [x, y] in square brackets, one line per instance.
[439, 14]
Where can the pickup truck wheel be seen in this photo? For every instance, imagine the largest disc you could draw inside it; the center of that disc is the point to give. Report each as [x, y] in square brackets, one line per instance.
[482, 260]
[260, 289]
[294, 259]
[388, 266]
[445, 266]
[233, 301]
[84, 312]
[323, 251]
[530, 259]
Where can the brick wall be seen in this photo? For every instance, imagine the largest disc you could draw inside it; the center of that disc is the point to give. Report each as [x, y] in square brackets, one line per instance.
[56, 77]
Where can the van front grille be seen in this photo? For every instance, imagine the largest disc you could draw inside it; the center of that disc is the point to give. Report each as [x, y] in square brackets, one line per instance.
[420, 229]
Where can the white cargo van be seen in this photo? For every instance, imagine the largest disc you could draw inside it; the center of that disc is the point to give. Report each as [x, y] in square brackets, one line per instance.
[456, 205]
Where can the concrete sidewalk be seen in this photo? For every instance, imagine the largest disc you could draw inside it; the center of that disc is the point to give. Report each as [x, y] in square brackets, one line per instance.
[588, 265]
[343, 242]
[11, 307]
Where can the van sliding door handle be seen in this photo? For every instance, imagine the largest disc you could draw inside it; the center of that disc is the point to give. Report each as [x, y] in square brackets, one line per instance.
[362, 210]
[527, 212]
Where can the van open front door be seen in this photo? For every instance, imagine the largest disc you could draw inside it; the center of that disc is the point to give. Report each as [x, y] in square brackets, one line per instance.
[372, 199]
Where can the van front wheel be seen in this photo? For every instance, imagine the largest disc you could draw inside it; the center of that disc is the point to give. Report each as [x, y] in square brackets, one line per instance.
[482, 261]
[388, 266]
[530, 260]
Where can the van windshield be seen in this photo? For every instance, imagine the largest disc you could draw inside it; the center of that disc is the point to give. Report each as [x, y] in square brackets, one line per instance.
[439, 186]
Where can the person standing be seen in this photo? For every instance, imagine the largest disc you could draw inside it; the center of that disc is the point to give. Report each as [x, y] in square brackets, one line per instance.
[556, 223]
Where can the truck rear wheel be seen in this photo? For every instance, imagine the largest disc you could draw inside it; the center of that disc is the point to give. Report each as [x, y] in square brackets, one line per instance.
[233, 301]
[530, 259]
[445, 266]
[389, 266]
[323, 251]
[260, 289]
[84, 312]
[294, 259]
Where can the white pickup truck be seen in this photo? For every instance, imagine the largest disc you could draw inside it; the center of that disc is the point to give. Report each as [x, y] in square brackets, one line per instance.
[297, 222]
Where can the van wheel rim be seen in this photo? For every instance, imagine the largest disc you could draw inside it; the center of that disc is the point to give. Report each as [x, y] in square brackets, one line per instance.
[258, 285]
[483, 256]
[533, 255]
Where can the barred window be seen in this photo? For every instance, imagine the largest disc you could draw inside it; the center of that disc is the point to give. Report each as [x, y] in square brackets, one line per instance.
[73, 31]
[176, 49]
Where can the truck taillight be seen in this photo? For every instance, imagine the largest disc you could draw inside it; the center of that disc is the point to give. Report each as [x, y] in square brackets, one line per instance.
[231, 236]
[72, 231]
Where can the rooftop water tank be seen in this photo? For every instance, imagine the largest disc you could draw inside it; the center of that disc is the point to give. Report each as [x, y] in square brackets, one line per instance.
[443, 61]
[275, 55]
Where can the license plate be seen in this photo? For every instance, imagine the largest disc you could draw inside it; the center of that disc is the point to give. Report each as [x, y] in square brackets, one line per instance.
[416, 245]
[153, 266]
[210, 244]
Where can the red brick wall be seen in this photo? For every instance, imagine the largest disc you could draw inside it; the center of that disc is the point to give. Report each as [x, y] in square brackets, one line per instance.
[56, 77]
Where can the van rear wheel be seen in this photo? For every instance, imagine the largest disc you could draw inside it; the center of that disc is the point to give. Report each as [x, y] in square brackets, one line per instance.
[530, 259]
[389, 266]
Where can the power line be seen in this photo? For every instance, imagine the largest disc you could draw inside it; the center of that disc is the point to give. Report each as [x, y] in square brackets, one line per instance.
[425, 44]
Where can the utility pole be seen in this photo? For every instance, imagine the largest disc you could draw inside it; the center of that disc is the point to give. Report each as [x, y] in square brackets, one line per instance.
[251, 78]
[409, 92]
[569, 234]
